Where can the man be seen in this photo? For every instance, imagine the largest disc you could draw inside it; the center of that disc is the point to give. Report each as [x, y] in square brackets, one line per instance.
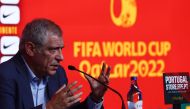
[34, 79]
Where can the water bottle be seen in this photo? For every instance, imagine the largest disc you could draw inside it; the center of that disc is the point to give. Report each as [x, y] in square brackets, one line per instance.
[134, 96]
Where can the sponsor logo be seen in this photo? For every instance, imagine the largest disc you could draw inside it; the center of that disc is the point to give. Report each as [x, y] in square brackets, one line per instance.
[10, 1]
[128, 13]
[9, 45]
[9, 14]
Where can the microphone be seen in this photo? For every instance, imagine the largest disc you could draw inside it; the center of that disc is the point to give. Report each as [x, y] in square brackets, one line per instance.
[70, 67]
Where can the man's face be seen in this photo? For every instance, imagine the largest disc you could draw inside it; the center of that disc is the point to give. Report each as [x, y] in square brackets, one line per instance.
[48, 57]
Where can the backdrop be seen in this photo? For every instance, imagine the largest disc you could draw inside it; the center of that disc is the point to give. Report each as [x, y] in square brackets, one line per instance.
[142, 38]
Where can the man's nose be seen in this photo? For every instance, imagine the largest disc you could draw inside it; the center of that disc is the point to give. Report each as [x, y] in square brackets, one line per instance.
[59, 56]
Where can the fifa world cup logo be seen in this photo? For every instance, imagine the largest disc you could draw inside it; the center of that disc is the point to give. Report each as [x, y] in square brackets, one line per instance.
[128, 14]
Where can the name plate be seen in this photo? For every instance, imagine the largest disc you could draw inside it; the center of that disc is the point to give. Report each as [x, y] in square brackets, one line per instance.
[176, 87]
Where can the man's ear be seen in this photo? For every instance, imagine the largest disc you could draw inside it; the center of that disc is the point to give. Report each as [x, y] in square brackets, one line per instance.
[29, 48]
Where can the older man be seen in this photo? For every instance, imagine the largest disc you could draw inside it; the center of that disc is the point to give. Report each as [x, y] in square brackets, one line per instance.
[34, 79]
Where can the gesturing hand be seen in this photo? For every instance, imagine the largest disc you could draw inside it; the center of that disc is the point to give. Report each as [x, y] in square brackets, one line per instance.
[65, 97]
[99, 90]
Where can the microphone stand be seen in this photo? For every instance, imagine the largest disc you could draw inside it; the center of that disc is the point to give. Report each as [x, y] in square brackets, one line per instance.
[123, 104]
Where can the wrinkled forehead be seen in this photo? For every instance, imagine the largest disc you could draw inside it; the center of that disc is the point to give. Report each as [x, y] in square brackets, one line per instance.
[54, 41]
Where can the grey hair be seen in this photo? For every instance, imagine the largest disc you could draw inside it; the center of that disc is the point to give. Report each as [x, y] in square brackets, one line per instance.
[38, 30]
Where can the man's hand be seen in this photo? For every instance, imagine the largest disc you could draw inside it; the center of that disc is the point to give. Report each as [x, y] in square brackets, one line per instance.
[65, 97]
[99, 90]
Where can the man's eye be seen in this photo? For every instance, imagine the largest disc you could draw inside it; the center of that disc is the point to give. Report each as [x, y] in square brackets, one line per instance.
[53, 50]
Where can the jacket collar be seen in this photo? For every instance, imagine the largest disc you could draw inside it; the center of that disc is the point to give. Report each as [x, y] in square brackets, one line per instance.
[52, 84]
[22, 69]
